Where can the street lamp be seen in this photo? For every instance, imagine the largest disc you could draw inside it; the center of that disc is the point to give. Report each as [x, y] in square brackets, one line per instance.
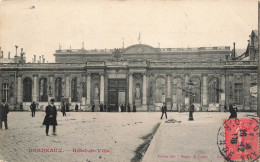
[191, 109]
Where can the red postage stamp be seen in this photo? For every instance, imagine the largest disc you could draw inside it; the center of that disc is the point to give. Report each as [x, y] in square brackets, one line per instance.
[241, 139]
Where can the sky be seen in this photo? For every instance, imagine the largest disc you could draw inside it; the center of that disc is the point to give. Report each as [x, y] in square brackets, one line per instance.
[38, 26]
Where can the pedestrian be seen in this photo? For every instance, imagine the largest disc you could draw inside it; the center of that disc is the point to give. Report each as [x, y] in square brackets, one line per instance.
[164, 110]
[119, 108]
[50, 117]
[105, 108]
[33, 108]
[232, 111]
[101, 107]
[63, 109]
[67, 107]
[21, 106]
[122, 108]
[76, 107]
[128, 108]
[93, 107]
[191, 111]
[134, 108]
[235, 110]
[4, 110]
[108, 108]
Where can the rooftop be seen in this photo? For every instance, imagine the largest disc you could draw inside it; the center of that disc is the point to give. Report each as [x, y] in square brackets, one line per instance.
[160, 50]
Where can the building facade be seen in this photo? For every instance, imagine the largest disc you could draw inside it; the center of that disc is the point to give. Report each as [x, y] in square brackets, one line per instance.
[140, 74]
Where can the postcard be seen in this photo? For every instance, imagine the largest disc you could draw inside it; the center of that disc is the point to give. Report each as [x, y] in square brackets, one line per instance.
[121, 80]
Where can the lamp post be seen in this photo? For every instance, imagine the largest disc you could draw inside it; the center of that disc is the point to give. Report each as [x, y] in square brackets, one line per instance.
[191, 106]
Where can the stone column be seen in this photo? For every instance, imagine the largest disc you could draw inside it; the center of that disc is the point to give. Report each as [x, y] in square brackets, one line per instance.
[51, 86]
[67, 90]
[205, 90]
[19, 89]
[223, 92]
[186, 87]
[230, 88]
[35, 85]
[102, 88]
[130, 88]
[247, 85]
[168, 85]
[88, 88]
[144, 89]
[1, 87]
[169, 97]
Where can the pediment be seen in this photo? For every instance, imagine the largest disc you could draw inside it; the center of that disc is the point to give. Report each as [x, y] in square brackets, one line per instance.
[140, 49]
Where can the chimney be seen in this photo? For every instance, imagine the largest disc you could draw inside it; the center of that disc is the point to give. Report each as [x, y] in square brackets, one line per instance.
[21, 52]
[234, 49]
[2, 54]
[43, 59]
[34, 58]
[39, 59]
[16, 50]
[8, 55]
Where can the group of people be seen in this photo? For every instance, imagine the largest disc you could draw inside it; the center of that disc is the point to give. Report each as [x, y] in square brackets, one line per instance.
[122, 108]
[51, 112]
[102, 108]
[105, 108]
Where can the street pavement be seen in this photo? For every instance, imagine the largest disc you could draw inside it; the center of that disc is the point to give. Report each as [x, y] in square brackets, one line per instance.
[100, 136]
[189, 140]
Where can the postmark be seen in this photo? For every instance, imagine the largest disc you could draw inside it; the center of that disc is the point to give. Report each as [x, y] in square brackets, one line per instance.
[238, 139]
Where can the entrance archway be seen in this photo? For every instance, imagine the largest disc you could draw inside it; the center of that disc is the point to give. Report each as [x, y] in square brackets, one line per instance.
[116, 93]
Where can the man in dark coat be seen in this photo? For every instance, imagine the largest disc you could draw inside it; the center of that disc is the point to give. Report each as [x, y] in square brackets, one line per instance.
[4, 110]
[105, 108]
[191, 112]
[63, 109]
[21, 106]
[233, 113]
[122, 108]
[164, 110]
[93, 107]
[33, 108]
[50, 118]
[101, 107]
[77, 108]
[128, 108]
[134, 108]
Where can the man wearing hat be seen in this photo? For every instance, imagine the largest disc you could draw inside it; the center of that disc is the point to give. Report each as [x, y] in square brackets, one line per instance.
[50, 117]
[4, 110]
[33, 108]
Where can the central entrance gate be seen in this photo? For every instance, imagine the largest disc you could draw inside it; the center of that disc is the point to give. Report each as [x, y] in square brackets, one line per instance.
[116, 93]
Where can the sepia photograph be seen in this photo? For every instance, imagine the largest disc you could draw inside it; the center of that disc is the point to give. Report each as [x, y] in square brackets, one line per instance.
[129, 80]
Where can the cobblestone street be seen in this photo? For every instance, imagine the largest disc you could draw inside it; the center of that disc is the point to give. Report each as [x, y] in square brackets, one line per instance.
[118, 134]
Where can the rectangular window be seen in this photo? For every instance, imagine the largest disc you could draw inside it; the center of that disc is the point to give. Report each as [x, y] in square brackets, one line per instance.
[238, 89]
[5, 91]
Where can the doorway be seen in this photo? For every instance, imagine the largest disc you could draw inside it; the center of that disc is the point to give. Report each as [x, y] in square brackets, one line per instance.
[116, 93]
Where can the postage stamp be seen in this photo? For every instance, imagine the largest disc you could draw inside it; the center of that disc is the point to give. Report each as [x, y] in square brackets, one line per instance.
[238, 139]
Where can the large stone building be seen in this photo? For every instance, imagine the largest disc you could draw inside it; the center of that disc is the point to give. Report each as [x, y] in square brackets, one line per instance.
[140, 74]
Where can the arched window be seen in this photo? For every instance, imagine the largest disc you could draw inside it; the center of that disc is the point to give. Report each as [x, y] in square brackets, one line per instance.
[74, 92]
[195, 93]
[43, 97]
[213, 89]
[58, 89]
[27, 90]
[160, 90]
[178, 90]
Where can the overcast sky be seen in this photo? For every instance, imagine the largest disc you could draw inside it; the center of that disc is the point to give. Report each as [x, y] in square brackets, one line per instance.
[103, 24]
